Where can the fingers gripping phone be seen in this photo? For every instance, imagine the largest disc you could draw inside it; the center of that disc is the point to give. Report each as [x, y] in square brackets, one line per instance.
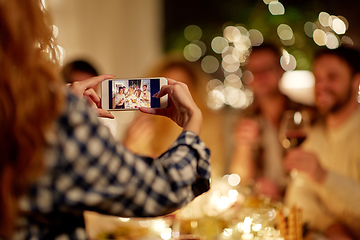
[131, 94]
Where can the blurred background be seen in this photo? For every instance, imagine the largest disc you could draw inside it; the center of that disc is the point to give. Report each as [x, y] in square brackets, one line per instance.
[125, 37]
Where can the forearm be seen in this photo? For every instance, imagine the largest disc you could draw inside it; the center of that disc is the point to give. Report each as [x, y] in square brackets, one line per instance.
[194, 121]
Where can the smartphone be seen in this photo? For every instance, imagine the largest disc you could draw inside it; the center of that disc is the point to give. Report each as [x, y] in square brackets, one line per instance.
[131, 94]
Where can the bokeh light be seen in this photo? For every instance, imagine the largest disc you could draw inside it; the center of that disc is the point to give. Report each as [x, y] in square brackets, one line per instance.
[288, 62]
[215, 99]
[202, 46]
[234, 180]
[256, 37]
[285, 32]
[214, 84]
[276, 8]
[347, 40]
[192, 52]
[324, 19]
[332, 41]
[209, 64]
[192, 32]
[338, 26]
[319, 37]
[232, 33]
[219, 44]
[309, 28]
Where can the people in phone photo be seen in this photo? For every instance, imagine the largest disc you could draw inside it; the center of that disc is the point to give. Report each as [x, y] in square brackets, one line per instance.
[137, 91]
[145, 94]
[119, 99]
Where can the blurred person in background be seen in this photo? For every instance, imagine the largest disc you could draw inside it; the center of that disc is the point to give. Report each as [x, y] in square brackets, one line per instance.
[58, 160]
[144, 128]
[78, 70]
[257, 155]
[327, 188]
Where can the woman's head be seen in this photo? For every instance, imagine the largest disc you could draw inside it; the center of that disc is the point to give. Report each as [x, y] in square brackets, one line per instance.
[29, 86]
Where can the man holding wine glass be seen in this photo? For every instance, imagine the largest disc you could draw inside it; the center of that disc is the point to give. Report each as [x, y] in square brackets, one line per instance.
[258, 154]
[327, 188]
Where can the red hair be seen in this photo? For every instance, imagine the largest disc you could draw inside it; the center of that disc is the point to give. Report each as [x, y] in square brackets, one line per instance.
[30, 100]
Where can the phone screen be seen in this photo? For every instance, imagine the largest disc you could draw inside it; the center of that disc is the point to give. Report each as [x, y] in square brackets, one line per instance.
[133, 93]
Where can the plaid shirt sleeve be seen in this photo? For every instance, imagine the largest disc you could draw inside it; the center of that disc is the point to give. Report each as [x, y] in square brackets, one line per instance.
[89, 170]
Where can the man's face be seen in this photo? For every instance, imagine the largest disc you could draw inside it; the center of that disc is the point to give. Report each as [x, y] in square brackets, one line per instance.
[267, 72]
[333, 84]
[144, 88]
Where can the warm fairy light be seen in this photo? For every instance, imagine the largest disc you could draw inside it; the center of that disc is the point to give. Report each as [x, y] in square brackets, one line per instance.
[324, 19]
[234, 179]
[215, 99]
[209, 64]
[346, 22]
[285, 32]
[213, 84]
[233, 195]
[247, 225]
[244, 99]
[309, 28]
[231, 95]
[166, 233]
[144, 224]
[201, 44]
[192, 52]
[231, 33]
[338, 26]
[347, 40]
[233, 80]
[243, 31]
[230, 67]
[276, 8]
[288, 63]
[256, 227]
[319, 37]
[192, 32]
[158, 225]
[124, 219]
[256, 37]
[332, 41]
[230, 59]
[219, 44]
[223, 203]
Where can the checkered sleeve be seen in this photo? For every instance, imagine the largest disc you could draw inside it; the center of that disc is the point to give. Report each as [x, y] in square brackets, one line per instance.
[94, 172]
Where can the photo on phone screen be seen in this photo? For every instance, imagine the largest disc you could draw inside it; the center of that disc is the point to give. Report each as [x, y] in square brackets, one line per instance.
[127, 94]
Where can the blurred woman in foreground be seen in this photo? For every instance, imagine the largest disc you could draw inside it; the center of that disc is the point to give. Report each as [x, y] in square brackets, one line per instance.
[58, 160]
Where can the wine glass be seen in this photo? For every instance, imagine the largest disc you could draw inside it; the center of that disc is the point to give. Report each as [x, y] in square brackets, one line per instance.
[294, 127]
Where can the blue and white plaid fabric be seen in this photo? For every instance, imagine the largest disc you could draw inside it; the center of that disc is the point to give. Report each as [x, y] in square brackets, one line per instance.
[88, 170]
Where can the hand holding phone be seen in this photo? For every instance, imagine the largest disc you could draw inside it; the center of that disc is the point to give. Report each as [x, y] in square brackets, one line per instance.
[85, 89]
[131, 94]
[181, 109]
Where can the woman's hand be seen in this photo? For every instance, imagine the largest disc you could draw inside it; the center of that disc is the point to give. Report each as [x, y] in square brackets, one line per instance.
[181, 109]
[85, 89]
